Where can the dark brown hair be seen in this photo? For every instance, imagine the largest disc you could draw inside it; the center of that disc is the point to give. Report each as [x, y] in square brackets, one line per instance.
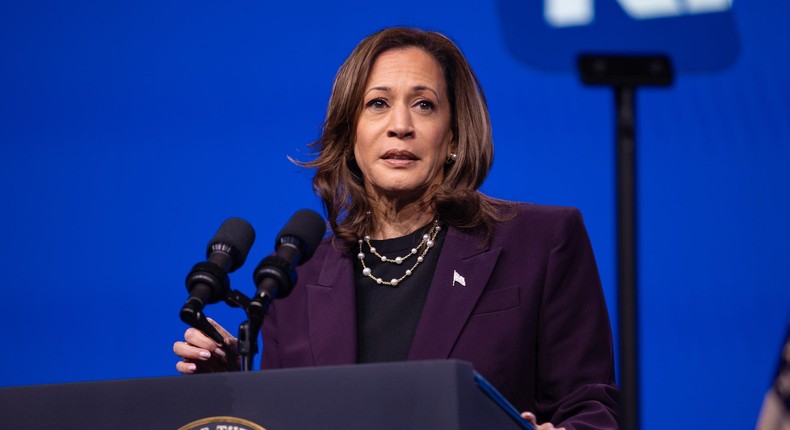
[338, 180]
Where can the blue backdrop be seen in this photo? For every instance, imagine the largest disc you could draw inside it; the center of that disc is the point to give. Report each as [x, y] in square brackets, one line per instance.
[130, 131]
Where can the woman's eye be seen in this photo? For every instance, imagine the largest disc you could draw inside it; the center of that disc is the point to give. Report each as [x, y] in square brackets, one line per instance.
[425, 105]
[376, 104]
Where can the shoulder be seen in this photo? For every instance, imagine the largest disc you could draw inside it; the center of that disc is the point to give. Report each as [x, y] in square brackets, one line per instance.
[538, 227]
[324, 246]
[538, 212]
[540, 218]
[330, 248]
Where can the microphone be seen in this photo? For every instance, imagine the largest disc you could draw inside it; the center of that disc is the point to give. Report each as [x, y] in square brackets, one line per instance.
[208, 281]
[275, 275]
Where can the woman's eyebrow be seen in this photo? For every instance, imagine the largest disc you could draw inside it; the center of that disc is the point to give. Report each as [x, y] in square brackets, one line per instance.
[416, 88]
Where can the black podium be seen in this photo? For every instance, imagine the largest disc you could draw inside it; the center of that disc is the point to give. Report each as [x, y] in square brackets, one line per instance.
[409, 395]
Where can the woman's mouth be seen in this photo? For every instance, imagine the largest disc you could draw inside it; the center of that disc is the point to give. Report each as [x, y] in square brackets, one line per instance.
[399, 158]
[398, 155]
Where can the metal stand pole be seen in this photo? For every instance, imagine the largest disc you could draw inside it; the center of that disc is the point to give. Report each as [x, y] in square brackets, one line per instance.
[624, 74]
[627, 257]
[248, 344]
[248, 331]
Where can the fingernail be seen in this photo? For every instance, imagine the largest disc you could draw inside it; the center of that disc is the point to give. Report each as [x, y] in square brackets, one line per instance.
[219, 352]
[191, 367]
[205, 354]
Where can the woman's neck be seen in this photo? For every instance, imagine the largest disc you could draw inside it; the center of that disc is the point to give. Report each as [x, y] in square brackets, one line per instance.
[393, 220]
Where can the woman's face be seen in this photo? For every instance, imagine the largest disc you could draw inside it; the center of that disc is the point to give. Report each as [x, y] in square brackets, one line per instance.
[403, 135]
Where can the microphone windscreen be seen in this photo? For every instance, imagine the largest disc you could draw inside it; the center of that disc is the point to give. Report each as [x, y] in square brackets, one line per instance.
[308, 227]
[235, 237]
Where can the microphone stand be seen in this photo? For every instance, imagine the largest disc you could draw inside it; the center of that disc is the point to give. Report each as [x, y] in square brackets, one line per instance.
[197, 319]
[192, 315]
[249, 330]
[247, 344]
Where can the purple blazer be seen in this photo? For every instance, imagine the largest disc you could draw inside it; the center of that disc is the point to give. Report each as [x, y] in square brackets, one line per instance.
[530, 316]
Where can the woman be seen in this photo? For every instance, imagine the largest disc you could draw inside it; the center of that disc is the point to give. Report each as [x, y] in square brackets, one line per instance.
[422, 265]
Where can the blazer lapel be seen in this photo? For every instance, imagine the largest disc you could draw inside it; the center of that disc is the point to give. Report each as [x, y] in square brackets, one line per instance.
[461, 275]
[331, 312]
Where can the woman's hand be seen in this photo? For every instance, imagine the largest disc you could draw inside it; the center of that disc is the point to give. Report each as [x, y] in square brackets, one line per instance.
[529, 416]
[201, 354]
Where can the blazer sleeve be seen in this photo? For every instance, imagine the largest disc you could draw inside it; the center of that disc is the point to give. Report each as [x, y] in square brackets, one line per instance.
[575, 363]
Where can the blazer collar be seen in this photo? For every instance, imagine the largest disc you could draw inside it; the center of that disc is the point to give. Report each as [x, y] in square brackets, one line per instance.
[331, 311]
[460, 277]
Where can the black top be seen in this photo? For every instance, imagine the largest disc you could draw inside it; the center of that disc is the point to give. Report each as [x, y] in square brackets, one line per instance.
[387, 316]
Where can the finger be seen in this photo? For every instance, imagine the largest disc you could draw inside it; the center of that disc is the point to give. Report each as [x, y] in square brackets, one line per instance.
[186, 368]
[187, 351]
[529, 416]
[224, 333]
[197, 338]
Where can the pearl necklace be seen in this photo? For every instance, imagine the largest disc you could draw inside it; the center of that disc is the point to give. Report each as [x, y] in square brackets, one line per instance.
[427, 242]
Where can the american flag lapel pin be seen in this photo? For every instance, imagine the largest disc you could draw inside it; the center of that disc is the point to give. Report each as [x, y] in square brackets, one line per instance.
[458, 278]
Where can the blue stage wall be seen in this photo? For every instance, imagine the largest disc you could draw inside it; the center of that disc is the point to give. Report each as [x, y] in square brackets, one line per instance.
[130, 131]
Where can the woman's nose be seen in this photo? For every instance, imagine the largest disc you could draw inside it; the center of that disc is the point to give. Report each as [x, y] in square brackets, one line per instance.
[401, 125]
